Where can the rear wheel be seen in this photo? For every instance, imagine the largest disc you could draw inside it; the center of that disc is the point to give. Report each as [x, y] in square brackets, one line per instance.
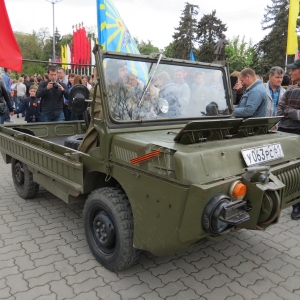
[108, 223]
[23, 180]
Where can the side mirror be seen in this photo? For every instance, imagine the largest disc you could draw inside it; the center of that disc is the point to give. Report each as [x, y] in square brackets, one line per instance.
[78, 95]
[163, 105]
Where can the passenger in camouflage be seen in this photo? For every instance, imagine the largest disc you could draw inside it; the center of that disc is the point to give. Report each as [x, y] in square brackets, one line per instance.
[148, 108]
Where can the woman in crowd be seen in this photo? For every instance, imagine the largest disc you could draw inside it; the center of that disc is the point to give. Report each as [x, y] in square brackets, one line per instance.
[85, 82]
[21, 92]
[76, 80]
[90, 80]
[39, 79]
[238, 89]
[66, 110]
[45, 77]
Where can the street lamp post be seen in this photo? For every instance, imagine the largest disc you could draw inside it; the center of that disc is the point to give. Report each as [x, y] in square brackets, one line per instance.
[53, 2]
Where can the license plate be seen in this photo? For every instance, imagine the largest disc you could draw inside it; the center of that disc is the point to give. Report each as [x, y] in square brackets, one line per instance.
[259, 155]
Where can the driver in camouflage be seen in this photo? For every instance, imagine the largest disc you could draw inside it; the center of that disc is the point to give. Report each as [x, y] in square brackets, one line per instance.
[122, 101]
[122, 97]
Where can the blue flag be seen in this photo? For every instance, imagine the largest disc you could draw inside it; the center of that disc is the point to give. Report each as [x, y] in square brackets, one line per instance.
[113, 35]
[192, 57]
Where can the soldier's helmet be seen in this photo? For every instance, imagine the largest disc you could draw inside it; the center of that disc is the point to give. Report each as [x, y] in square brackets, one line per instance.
[112, 67]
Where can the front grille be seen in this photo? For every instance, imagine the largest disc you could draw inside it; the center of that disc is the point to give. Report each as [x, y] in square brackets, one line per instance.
[290, 176]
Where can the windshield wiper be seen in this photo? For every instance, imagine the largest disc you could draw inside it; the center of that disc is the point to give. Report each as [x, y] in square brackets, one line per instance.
[148, 84]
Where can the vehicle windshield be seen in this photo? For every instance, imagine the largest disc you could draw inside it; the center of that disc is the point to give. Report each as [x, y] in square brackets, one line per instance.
[143, 91]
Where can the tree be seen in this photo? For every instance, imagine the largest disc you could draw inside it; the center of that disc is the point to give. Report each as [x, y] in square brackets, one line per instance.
[168, 51]
[59, 40]
[31, 49]
[239, 54]
[209, 30]
[272, 49]
[146, 48]
[185, 34]
[43, 34]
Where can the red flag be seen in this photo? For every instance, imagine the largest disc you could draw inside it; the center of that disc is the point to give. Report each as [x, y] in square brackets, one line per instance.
[72, 48]
[75, 47]
[85, 46]
[10, 54]
[72, 53]
[81, 47]
[88, 49]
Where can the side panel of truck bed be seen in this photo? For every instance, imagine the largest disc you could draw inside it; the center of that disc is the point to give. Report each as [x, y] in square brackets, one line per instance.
[55, 165]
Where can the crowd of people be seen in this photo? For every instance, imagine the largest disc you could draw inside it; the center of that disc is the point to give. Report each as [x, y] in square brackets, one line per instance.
[45, 98]
[23, 96]
[187, 91]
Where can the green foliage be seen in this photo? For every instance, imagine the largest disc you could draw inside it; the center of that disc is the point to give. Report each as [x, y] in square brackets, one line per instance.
[66, 39]
[185, 34]
[31, 48]
[168, 51]
[271, 51]
[146, 48]
[239, 54]
[210, 28]
[38, 46]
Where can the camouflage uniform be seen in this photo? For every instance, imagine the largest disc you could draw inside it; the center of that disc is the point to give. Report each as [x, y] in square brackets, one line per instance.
[122, 101]
[147, 110]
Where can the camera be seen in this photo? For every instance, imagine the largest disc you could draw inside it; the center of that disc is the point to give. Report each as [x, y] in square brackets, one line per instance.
[55, 85]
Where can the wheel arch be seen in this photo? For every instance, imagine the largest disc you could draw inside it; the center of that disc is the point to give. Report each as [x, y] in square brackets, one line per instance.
[96, 179]
[7, 158]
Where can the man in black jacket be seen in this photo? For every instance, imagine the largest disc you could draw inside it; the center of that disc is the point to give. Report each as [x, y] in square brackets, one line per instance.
[51, 93]
[4, 100]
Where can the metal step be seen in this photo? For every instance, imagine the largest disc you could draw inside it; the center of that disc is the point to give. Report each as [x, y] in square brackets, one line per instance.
[234, 213]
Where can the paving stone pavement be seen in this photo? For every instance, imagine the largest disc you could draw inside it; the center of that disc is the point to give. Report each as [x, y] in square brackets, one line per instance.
[44, 255]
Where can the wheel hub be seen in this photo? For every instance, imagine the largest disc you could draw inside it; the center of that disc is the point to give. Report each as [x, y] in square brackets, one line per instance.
[103, 230]
[19, 172]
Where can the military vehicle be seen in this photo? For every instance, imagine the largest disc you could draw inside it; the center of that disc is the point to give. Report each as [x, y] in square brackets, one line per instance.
[160, 165]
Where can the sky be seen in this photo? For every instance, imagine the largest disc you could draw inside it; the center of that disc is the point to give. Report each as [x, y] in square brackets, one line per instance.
[152, 20]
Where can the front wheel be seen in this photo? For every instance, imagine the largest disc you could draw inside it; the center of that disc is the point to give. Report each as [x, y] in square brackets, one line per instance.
[108, 223]
[23, 180]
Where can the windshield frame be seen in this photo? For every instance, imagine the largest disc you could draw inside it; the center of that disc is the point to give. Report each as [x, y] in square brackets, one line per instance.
[152, 59]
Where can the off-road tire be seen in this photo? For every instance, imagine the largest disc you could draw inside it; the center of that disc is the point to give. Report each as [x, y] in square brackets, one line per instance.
[73, 141]
[107, 212]
[23, 180]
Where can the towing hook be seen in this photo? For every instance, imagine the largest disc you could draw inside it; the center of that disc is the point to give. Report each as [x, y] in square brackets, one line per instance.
[263, 178]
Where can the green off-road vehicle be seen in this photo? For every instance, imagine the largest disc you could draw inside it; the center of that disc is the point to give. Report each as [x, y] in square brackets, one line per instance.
[160, 165]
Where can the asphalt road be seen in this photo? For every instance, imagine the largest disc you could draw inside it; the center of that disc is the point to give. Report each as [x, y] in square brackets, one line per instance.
[44, 255]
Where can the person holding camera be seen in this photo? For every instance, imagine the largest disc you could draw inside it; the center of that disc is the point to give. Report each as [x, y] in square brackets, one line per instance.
[52, 94]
